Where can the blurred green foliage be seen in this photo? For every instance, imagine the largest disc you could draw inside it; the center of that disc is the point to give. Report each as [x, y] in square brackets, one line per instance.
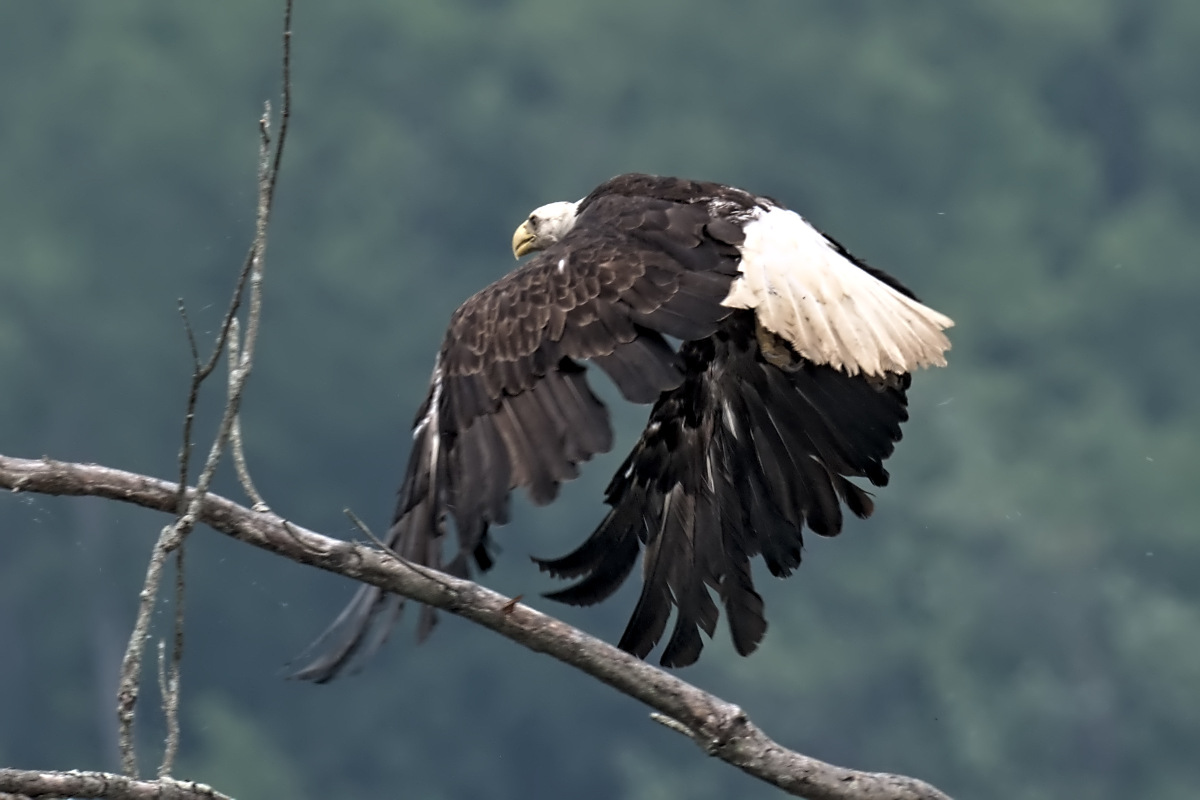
[1020, 620]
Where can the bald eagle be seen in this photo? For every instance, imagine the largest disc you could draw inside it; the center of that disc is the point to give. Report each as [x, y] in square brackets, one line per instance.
[788, 380]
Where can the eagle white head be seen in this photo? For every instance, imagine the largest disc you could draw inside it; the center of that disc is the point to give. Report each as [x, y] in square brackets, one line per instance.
[545, 226]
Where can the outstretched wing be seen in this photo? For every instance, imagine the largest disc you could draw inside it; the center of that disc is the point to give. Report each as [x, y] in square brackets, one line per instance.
[509, 405]
[734, 463]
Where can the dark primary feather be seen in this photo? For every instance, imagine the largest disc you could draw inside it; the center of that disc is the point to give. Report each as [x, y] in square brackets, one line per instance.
[509, 405]
[733, 463]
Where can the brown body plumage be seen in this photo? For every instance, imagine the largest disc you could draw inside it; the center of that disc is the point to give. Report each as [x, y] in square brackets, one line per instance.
[759, 419]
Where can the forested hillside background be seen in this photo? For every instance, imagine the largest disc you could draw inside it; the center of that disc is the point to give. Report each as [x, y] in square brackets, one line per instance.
[1021, 619]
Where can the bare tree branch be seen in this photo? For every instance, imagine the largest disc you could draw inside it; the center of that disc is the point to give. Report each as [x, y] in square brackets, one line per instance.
[173, 536]
[131, 664]
[719, 728]
[19, 783]
[241, 356]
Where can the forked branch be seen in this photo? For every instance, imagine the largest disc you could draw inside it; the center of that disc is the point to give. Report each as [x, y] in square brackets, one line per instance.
[720, 728]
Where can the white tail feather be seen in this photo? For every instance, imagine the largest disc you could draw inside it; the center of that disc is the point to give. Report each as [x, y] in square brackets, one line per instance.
[830, 310]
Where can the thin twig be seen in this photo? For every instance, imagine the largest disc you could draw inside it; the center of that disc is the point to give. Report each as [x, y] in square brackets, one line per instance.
[171, 685]
[235, 433]
[673, 724]
[422, 570]
[189, 415]
[285, 114]
[362, 526]
[162, 667]
[202, 371]
[384, 547]
[239, 463]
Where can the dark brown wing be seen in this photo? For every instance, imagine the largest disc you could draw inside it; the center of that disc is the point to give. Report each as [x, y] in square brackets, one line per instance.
[734, 463]
[509, 405]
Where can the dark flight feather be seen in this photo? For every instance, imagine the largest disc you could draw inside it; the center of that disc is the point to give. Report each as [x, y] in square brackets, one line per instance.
[734, 463]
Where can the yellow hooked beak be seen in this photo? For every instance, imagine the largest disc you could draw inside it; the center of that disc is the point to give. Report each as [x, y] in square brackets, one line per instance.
[522, 241]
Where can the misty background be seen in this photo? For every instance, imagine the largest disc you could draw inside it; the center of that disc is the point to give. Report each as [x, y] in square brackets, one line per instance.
[1020, 619]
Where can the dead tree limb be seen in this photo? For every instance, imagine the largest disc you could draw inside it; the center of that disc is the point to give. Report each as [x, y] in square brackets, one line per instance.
[721, 729]
[21, 783]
